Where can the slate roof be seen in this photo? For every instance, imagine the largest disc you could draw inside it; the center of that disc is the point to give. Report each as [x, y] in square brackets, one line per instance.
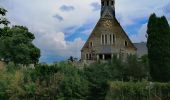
[141, 48]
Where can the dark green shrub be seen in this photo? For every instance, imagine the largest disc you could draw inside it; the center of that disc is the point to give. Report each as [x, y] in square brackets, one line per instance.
[74, 86]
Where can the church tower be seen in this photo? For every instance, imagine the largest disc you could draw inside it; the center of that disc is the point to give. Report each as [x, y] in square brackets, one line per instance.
[107, 6]
[108, 37]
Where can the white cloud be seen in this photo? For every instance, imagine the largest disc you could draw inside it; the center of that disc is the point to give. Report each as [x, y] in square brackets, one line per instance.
[129, 11]
[38, 16]
[140, 36]
[54, 44]
[162, 9]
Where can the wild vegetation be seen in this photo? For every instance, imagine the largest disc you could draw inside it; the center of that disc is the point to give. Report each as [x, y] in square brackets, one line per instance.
[64, 81]
[138, 91]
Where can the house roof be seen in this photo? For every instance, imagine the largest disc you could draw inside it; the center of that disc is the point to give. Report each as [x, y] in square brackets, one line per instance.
[141, 48]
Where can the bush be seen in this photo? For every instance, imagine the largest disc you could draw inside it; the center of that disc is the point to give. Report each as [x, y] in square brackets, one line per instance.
[64, 81]
[135, 69]
[138, 91]
[74, 85]
[99, 73]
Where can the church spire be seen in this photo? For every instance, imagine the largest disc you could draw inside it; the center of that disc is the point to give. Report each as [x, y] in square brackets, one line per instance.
[107, 8]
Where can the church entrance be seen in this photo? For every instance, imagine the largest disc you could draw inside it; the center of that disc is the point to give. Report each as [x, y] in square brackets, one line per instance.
[105, 56]
[100, 56]
[108, 56]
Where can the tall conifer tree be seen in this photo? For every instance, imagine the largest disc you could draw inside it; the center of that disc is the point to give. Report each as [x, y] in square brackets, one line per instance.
[159, 48]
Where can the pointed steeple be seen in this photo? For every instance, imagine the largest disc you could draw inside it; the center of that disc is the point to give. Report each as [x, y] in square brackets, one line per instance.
[107, 8]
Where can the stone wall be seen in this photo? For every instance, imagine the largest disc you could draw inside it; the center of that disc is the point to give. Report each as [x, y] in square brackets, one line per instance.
[115, 48]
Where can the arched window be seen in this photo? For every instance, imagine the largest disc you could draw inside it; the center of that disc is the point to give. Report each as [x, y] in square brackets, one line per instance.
[90, 56]
[105, 39]
[102, 39]
[126, 44]
[112, 2]
[113, 37]
[107, 3]
[91, 44]
[110, 39]
[87, 56]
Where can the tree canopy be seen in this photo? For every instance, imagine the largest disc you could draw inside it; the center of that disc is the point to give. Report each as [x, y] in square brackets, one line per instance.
[16, 44]
[3, 20]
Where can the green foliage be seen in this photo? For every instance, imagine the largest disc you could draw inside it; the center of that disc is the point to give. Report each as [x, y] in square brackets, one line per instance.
[158, 48]
[99, 74]
[11, 85]
[135, 69]
[74, 86]
[3, 85]
[3, 11]
[138, 91]
[30, 89]
[45, 82]
[63, 81]
[16, 45]
[3, 21]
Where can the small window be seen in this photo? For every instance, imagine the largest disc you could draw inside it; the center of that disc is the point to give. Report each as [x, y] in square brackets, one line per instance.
[113, 38]
[91, 44]
[87, 56]
[102, 39]
[110, 39]
[126, 44]
[112, 3]
[90, 56]
[105, 39]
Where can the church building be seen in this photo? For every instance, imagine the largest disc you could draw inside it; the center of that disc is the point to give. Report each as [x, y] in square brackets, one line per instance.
[108, 37]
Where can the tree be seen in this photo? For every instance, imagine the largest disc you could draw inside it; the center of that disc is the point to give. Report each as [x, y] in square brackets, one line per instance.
[71, 59]
[99, 74]
[3, 20]
[16, 45]
[159, 48]
[74, 85]
[135, 69]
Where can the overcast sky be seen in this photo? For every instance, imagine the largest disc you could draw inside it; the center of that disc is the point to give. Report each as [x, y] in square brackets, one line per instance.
[61, 27]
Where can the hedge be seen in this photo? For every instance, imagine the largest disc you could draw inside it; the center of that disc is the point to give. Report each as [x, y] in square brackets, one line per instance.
[138, 91]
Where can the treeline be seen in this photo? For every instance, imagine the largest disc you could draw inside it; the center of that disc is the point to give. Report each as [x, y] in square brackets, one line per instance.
[16, 43]
[99, 81]
[63, 81]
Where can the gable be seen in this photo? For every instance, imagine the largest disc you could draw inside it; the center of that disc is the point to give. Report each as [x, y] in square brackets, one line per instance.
[109, 26]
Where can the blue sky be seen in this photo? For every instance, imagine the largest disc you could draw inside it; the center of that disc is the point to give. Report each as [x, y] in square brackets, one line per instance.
[61, 27]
